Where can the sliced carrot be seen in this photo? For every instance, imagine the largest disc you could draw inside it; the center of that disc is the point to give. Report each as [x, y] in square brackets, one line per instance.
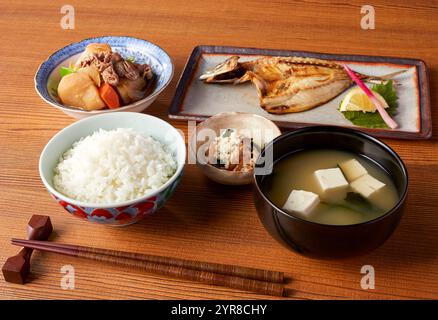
[109, 96]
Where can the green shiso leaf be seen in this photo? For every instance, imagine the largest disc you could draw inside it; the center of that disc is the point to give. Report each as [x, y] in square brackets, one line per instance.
[63, 71]
[373, 119]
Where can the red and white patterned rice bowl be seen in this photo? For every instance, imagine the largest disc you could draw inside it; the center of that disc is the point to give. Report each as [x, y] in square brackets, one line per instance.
[117, 214]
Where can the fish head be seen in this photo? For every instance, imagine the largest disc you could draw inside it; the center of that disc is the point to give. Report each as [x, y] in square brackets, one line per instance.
[228, 71]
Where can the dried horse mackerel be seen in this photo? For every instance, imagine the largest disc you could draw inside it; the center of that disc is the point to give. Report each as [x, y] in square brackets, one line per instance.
[288, 84]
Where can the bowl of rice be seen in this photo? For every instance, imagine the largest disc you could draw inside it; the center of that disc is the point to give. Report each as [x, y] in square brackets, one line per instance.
[114, 168]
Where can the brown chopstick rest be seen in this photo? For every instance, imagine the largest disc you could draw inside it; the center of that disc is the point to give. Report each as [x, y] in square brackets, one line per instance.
[17, 268]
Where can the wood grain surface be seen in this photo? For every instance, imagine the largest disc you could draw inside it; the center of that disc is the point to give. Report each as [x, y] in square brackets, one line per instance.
[204, 220]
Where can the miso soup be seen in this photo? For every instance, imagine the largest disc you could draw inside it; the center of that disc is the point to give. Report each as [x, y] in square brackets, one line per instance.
[364, 193]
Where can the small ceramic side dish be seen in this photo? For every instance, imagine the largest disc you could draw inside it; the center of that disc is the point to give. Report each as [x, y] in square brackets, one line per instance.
[117, 214]
[253, 126]
[48, 76]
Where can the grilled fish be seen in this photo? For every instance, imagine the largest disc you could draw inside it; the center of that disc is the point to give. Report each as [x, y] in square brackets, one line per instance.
[287, 84]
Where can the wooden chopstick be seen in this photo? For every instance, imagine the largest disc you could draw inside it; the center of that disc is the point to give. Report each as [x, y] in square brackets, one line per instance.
[171, 267]
[245, 272]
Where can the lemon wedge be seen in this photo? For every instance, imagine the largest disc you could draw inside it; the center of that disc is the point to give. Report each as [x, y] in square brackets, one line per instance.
[357, 100]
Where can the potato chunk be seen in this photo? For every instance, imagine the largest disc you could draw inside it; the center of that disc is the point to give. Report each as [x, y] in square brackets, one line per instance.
[93, 73]
[78, 90]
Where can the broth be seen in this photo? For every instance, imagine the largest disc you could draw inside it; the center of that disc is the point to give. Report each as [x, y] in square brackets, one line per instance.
[296, 172]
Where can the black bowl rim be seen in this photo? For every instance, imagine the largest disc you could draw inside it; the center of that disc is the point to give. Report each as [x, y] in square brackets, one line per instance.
[351, 132]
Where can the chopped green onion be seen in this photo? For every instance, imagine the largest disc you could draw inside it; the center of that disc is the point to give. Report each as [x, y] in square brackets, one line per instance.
[63, 71]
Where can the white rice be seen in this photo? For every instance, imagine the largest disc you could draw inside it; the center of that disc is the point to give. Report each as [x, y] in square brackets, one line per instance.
[113, 166]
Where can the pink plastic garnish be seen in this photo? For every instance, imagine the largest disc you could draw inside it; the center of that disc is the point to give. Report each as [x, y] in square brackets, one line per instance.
[385, 116]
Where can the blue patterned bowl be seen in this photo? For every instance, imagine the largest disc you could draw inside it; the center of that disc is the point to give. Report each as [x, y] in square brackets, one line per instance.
[47, 76]
[117, 214]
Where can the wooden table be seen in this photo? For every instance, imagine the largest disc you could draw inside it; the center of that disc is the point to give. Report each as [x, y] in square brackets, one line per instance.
[204, 220]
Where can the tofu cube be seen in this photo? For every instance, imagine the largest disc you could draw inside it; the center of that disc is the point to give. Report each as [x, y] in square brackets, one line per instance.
[367, 186]
[301, 201]
[332, 184]
[352, 169]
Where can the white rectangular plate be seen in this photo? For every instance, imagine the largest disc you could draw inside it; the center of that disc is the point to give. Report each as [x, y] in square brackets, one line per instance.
[197, 100]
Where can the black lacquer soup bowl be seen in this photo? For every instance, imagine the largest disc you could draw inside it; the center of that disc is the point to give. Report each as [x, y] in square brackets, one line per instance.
[321, 240]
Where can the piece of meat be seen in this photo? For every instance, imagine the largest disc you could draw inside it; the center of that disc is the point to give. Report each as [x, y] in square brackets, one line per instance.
[113, 67]
[131, 90]
[103, 62]
[110, 76]
[90, 60]
[145, 71]
[126, 69]
[104, 57]
[116, 57]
